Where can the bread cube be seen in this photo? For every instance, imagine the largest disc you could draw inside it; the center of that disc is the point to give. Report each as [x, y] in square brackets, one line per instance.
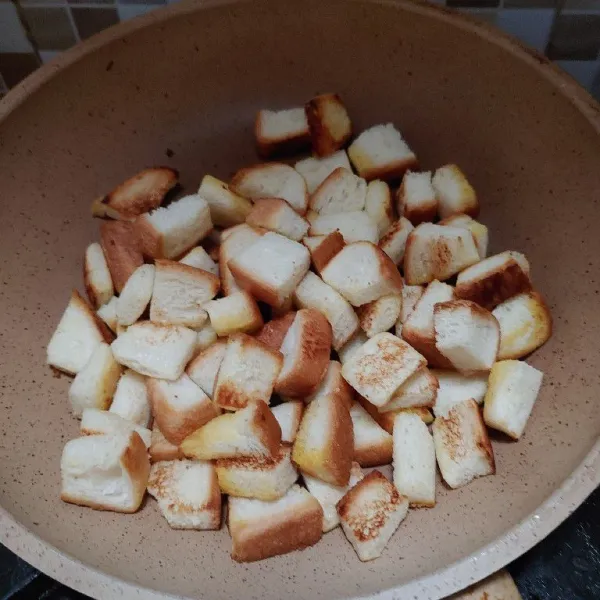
[237, 241]
[379, 205]
[354, 226]
[380, 315]
[122, 250]
[454, 193]
[277, 215]
[386, 419]
[205, 336]
[410, 296]
[323, 248]
[456, 387]
[96, 276]
[102, 422]
[273, 333]
[479, 230]
[416, 199]
[203, 369]
[333, 384]
[315, 170]
[329, 124]
[199, 258]
[135, 295]
[226, 207]
[499, 586]
[419, 389]
[161, 449]
[108, 313]
[236, 313]
[348, 350]
[372, 444]
[281, 132]
[131, 399]
[341, 191]
[289, 416]
[393, 242]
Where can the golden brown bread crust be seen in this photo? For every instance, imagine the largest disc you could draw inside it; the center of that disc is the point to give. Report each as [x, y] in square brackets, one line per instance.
[324, 142]
[266, 427]
[161, 449]
[263, 210]
[186, 270]
[121, 248]
[283, 146]
[273, 332]
[416, 215]
[326, 250]
[105, 332]
[390, 171]
[258, 289]
[389, 271]
[90, 290]
[375, 455]
[385, 420]
[426, 346]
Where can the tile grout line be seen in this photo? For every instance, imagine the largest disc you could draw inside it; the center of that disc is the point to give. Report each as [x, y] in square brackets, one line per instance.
[73, 24]
[26, 29]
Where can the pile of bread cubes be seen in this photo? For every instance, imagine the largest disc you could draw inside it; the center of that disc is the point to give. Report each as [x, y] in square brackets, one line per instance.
[264, 340]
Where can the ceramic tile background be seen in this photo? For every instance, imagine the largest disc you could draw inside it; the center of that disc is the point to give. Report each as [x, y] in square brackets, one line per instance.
[33, 32]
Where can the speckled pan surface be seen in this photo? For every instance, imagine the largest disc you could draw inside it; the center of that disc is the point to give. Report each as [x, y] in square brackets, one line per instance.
[181, 88]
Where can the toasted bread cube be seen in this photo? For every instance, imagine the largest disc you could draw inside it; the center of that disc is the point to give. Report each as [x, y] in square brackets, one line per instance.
[277, 215]
[499, 586]
[381, 153]
[135, 295]
[414, 460]
[203, 369]
[265, 478]
[108, 313]
[271, 268]
[161, 449]
[380, 315]
[454, 193]
[329, 124]
[205, 336]
[479, 231]
[393, 242]
[131, 399]
[456, 387]
[513, 387]
[122, 250]
[379, 205]
[410, 296]
[251, 431]
[315, 170]
[102, 422]
[262, 529]
[324, 442]
[280, 132]
[273, 333]
[341, 191]
[199, 258]
[289, 416]
[418, 390]
[226, 207]
[329, 495]
[323, 248]
[237, 240]
[236, 313]
[333, 384]
[416, 199]
[96, 276]
[525, 324]
[462, 446]
[139, 194]
[248, 372]
[362, 273]
[354, 226]
[380, 366]
[187, 492]
[370, 513]
[160, 351]
[347, 351]
[372, 444]
[306, 348]
[76, 336]
[105, 472]
[386, 419]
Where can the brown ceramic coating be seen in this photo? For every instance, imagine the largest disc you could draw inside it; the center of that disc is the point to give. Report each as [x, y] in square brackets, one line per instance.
[181, 87]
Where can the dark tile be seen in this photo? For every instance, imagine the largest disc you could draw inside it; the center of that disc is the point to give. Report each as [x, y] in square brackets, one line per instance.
[50, 27]
[581, 4]
[575, 37]
[93, 20]
[108, 2]
[152, 2]
[473, 3]
[15, 67]
[531, 3]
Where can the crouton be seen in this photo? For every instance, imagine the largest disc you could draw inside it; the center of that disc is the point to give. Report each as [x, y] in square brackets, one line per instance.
[76, 336]
[323, 248]
[315, 170]
[187, 492]
[236, 313]
[273, 332]
[289, 416]
[354, 226]
[205, 336]
[513, 387]
[283, 309]
[393, 242]
[381, 153]
[380, 366]
[414, 460]
[416, 199]
[379, 206]
[212, 243]
[131, 400]
[437, 252]
[479, 231]
[251, 431]
[203, 369]
[108, 313]
[313, 292]
[362, 273]
[370, 513]
[102, 422]
[199, 258]
[262, 529]
[135, 295]
[419, 389]
[306, 348]
[462, 446]
[311, 215]
[454, 193]
[155, 350]
[328, 122]
[281, 132]
[410, 296]
[333, 384]
[172, 231]
[271, 268]
[372, 444]
[456, 387]
[105, 472]
[139, 194]
[349, 349]
[324, 442]
[380, 315]
[386, 419]
[525, 324]
[237, 241]
[248, 372]
[277, 215]
[340, 192]
[499, 586]
[96, 276]
[161, 449]
[226, 208]
[122, 250]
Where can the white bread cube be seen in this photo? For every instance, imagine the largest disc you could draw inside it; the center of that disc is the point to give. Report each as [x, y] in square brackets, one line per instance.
[248, 372]
[418, 390]
[342, 191]
[414, 460]
[306, 348]
[205, 336]
[393, 242]
[187, 492]
[379, 206]
[226, 208]
[236, 313]
[370, 513]
[513, 387]
[386, 419]
[381, 153]
[95, 384]
[161, 449]
[466, 334]
[333, 384]
[279, 132]
[311, 215]
[315, 170]
[169, 232]
[131, 400]
[462, 446]
[273, 332]
[380, 366]
[411, 294]
[261, 529]
[250, 431]
[289, 416]
[362, 273]
[265, 478]
[324, 442]
[323, 248]
[380, 315]
[122, 250]
[236, 241]
[277, 215]
[454, 193]
[271, 268]
[204, 367]
[105, 472]
[329, 124]
[456, 387]
[525, 324]
[479, 231]
[437, 252]
[108, 313]
[347, 351]
[416, 199]
[354, 226]
[179, 407]
[135, 295]
[76, 336]
[96, 276]
[372, 444]
[103, 422]
[199, 258]
[155, 350]
[329, 495]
